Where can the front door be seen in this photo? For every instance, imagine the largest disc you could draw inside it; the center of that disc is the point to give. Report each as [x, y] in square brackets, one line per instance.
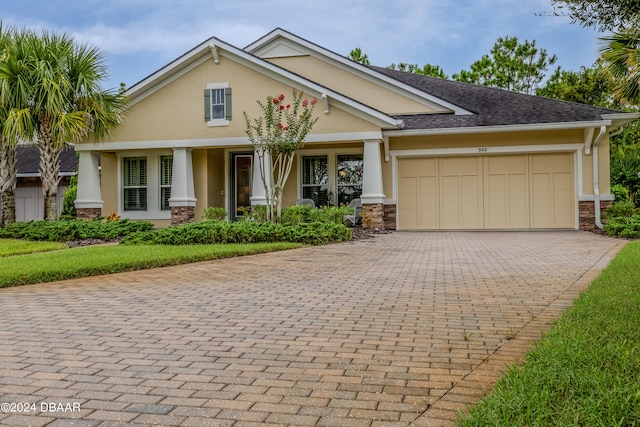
[241, 165]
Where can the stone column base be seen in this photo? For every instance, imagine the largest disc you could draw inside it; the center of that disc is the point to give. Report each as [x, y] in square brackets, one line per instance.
[88, 213]
[587, 213]
[182, 214]
[389, 217]
[373, 215]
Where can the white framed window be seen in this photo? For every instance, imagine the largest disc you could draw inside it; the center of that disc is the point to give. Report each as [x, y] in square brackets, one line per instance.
[217, 104]
[166, 175]
[315, 180]
[349, 177]
[134, 184]
[330, 176]
[144, 182]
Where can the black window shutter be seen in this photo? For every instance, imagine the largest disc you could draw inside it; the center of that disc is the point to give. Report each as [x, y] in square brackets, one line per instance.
[207, 105]
[227, 103]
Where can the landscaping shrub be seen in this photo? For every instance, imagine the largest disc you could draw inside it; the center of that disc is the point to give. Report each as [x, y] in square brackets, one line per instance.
[209, 232]
[68, 204]
[219, 214]
[620, 192]
[622, 208]
[63, 231]
[628, 227]
[257, 213]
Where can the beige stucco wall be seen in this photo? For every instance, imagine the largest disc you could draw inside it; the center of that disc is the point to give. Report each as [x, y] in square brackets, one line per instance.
[487, 140]
[351, 85]
[109, 183]
[176, 111]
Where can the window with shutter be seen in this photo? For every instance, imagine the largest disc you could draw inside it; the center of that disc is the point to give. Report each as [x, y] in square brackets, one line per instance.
[217, 104]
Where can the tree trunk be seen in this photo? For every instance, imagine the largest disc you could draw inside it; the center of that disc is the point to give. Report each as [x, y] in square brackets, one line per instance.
[8, 170]
[49, 171]
[8, 214]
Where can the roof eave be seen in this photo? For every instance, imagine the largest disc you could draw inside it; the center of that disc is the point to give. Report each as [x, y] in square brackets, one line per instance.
[531, 127]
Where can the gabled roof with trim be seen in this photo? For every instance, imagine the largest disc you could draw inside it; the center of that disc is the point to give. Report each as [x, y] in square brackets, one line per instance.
[280, 42]
[216, 49]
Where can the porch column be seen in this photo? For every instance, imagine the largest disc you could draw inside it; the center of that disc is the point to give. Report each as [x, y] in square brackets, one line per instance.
[183, 200]
[372, 190]
[89, 198]
[258, 194]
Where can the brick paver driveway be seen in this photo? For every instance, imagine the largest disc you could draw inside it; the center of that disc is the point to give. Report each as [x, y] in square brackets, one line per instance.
[397, 330]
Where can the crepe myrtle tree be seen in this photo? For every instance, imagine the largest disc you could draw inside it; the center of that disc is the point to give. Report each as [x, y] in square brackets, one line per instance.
[276, 135]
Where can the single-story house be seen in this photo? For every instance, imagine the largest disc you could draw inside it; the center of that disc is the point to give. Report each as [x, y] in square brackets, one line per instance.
[422, 153]
[29, 198]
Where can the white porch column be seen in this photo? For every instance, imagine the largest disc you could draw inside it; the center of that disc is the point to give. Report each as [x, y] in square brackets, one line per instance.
[258, 193]
[182, 193]
[372, 190]
[89, 195]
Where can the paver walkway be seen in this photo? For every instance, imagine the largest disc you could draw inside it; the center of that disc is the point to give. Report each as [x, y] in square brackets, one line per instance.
[399, 330]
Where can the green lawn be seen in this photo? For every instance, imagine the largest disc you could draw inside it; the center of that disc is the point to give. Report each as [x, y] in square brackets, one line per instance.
[586, 370]
[96, 260]
[9, 247]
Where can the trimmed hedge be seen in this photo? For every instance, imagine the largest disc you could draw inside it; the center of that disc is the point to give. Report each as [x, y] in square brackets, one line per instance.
[628, 227]
[63, 231]
[211, 231]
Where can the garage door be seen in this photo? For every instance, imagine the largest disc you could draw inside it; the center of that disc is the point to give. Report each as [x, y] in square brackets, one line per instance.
[486, 192]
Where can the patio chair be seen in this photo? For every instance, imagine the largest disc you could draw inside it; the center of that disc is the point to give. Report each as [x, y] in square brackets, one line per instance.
[356, 217]
[306, 202]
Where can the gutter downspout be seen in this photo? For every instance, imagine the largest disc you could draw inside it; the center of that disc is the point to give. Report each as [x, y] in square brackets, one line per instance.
[596, 178]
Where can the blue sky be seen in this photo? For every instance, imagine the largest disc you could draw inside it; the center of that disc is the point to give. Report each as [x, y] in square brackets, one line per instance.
[140, 36]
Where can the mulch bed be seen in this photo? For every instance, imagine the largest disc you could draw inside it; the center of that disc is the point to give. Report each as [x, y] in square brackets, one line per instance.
[359, 233]
[89, 242]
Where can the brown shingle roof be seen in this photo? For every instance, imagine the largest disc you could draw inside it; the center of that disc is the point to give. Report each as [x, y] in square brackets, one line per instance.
[489, 106]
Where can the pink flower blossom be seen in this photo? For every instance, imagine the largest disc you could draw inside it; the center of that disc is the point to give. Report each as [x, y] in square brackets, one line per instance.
[281, 96]
[314, 101]
[305, 103]
[282, 107]
[275, 100]
[288, 106]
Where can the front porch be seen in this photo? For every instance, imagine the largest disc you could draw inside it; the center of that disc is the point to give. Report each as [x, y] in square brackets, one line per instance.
[174, 186]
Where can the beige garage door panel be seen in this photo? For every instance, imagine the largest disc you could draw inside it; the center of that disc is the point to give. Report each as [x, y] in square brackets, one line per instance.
[552, 191]
[506, 200]
[418, 194]
[460, 193]
[494, 192]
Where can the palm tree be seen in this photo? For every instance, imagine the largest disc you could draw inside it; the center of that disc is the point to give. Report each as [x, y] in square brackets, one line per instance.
[621, 55]
[54, 85]
[8, 157]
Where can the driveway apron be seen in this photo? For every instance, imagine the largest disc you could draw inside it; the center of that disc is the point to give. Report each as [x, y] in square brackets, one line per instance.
[402, 329]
